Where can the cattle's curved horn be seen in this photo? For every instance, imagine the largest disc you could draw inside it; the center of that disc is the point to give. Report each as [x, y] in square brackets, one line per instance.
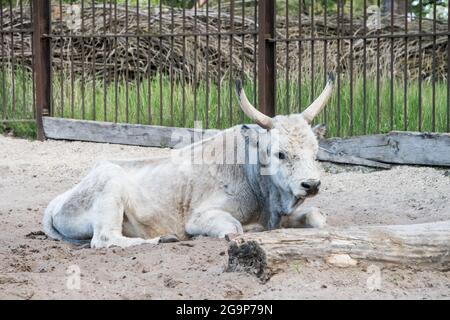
[314, 109]
[258, 117]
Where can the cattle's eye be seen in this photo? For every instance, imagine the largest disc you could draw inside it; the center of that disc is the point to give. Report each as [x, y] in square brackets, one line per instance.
[281, 155]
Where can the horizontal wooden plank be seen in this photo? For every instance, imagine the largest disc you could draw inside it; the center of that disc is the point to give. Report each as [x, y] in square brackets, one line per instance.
[119, 133]
[396, 147]
[324, 155]
[377, 151]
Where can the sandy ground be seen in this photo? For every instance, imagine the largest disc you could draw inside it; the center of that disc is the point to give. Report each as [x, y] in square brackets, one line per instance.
[32, 267]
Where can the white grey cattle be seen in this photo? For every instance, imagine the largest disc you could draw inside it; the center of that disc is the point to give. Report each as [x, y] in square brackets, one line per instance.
[132, 202]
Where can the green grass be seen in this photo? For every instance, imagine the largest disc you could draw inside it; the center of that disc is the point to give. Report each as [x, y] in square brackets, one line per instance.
[17, 104]
[353, 120]
[147, 109]
[19, 129]
[150, 107]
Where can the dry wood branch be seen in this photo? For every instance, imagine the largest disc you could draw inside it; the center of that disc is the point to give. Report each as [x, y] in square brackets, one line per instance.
[264, 254]
[148, 55]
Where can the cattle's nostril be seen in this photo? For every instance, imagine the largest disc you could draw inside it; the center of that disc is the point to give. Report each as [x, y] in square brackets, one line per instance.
[311, 186]
[306, 185]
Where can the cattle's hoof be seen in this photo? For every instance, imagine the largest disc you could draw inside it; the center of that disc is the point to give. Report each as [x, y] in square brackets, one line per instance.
[83, 246]
[169, 239]
[231, 236]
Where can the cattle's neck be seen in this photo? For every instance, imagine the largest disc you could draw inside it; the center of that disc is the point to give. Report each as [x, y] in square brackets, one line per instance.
[246, 176]
[268, 196]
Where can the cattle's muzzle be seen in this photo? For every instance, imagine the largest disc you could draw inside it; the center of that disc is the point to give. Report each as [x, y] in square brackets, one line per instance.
[311, 186]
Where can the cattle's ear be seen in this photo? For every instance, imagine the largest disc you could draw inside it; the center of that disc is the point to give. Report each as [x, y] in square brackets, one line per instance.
[320, 131]
[249, 134]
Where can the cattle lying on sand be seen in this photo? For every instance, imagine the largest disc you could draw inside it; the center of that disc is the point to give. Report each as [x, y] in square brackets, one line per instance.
[243, 176]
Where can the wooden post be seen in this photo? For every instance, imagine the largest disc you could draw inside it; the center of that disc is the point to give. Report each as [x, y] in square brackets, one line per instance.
[266, 58]
[42, 61]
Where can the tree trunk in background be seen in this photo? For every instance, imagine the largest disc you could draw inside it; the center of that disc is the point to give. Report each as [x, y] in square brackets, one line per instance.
[399, 6]
[200, 3]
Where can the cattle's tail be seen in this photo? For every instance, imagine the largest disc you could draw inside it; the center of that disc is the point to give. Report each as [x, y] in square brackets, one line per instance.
[47, 224]
[50, 230]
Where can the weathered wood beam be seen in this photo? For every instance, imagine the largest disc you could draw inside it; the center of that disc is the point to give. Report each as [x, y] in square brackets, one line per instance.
[324, 155]
[118, 133]
[414, 148]
[266, 253]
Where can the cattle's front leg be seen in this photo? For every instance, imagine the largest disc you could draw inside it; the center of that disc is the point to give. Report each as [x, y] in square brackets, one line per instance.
[213, 223]
[304, 218]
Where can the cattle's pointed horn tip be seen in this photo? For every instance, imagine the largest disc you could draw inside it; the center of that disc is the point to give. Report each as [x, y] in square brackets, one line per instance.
[330, 77]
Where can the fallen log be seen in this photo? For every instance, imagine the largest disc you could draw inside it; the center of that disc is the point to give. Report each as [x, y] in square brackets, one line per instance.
[266, 253]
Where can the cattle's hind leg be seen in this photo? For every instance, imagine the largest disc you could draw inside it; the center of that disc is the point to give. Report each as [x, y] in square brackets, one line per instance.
[106, 241]
[107, 214]
[108, 228]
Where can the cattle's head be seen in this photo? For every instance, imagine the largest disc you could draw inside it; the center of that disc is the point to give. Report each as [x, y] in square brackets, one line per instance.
[287, 149]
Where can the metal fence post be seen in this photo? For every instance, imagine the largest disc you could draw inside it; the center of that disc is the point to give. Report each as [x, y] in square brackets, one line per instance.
[42, 62]
[266, 57]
